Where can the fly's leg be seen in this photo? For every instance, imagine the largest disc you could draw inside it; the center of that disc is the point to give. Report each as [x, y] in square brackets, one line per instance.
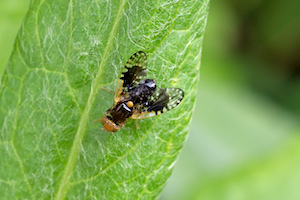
[136, 124]
[107, 90]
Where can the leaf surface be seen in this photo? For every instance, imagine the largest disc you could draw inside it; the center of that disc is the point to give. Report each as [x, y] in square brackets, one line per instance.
[50, 95]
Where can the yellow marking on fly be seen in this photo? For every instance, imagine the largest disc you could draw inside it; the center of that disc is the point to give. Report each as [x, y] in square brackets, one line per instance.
[130, 104]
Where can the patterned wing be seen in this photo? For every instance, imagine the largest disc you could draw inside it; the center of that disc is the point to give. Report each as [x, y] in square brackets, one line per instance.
[163, 100]
[135, 69]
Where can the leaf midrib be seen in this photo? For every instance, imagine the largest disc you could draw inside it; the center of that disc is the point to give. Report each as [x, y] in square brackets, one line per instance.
[66, 176]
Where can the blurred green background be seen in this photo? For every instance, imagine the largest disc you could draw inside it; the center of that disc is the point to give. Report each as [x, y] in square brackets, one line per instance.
[244, 140]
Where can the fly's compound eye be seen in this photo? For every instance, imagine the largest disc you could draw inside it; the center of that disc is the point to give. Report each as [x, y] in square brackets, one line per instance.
[129, 104]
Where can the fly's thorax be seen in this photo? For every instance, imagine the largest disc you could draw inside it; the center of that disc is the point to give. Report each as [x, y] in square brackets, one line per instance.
[121, 112]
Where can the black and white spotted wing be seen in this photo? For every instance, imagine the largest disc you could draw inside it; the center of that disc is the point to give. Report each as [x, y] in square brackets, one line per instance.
[163, 100]
[134, 70]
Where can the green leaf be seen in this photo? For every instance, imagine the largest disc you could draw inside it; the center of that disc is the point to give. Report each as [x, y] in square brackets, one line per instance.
[51, 94]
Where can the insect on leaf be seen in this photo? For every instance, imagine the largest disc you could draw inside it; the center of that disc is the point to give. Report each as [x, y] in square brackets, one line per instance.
[50, 95]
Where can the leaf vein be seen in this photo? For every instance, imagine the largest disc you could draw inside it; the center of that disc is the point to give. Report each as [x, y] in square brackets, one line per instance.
[37, 33]
[22, 169]
[67, 173]
[120, 158]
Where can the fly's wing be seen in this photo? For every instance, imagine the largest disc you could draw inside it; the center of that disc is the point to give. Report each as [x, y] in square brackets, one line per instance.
[134, 70]
[163, 100]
